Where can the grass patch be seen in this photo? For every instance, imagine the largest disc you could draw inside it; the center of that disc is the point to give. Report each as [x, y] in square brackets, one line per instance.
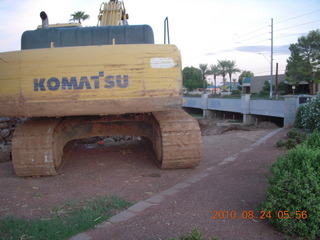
[195, 234]
[237, 96]
[265, 97]
[196, 115]
[65, 220]
[235, 121]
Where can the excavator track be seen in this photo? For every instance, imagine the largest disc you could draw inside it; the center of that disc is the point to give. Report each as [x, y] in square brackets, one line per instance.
[180, 145]
[38, 143]
[32, 151]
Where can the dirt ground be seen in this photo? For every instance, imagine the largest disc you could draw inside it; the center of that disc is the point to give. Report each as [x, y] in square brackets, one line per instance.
[127, 170]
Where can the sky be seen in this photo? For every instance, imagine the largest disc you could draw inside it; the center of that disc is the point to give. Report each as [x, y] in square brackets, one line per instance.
[205, 31]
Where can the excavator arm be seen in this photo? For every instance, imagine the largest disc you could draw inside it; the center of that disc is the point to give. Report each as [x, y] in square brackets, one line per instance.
[112, 13]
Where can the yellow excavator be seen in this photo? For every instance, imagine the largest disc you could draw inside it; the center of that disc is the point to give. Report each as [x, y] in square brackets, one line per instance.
[74, 82]
[112, 14]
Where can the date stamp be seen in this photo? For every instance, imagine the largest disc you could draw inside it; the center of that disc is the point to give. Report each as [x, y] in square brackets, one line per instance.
[216, 214]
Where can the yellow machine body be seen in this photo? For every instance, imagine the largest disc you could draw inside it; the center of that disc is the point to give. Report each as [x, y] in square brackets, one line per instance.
[73, 82]
[90, 80]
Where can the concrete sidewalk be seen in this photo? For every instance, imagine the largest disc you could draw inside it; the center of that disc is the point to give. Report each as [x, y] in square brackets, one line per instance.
[237, 183]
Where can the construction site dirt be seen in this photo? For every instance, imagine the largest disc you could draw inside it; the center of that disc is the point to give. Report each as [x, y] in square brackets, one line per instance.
[128, 169]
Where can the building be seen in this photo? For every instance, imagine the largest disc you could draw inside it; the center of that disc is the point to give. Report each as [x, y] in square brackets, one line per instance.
[255, 84]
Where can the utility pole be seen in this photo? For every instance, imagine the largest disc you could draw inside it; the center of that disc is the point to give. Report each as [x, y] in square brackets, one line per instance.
[277, 86]
[271, 68]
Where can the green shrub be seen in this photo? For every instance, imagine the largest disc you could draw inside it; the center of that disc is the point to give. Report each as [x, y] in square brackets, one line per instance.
[295, 137]
[281, 143]
[298, 119]
[265, 89]
[308, 115]
[287, 144]
[235, 92]
[294, 187]
[314, 140]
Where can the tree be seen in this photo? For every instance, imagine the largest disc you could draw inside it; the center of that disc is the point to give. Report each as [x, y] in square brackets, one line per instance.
[231, 69]
[204, 71]
[78, 16]
[304, 61]
[214, 70]
[223, 66]
[265, 91]
[244, 75]
[192, 78]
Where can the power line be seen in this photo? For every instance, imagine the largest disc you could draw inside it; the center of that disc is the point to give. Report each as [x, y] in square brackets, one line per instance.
[262, 41]
[263, 34]
[288, 35]
[297, 25]
[252, 37]
[239, 41]
[257, 35]
[295, 14]
[289, 19]
[245, 35]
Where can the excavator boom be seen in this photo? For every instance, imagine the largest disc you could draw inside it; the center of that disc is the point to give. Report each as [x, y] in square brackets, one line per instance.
[112, 13]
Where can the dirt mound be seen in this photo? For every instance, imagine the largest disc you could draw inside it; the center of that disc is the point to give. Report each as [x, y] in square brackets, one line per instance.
[216, 127]
[211, 127]
[266, 125]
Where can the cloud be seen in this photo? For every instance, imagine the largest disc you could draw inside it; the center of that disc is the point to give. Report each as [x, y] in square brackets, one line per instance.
[218, 52]
[282, 49]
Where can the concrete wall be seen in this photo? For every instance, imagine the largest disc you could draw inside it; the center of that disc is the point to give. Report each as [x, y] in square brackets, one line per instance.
[290, 109]
[220, 104]
[274, 108]
[193, 102]
[267, 108]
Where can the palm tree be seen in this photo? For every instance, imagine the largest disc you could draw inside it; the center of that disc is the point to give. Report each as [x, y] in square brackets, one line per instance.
[78, 16]
[244, 75]
[215, 72]
[232, 68]
[223, 66]
[204, 71]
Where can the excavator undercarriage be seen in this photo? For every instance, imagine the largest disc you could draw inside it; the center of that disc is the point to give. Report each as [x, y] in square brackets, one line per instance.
[38, 144]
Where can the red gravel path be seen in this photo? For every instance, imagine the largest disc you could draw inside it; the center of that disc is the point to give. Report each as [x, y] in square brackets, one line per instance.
[130, 172]
[237, 183]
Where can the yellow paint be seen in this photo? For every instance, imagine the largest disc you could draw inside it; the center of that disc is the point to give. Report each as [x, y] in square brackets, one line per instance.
[59, 25]
[9, 75]
[111, 14]
[20, 69]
